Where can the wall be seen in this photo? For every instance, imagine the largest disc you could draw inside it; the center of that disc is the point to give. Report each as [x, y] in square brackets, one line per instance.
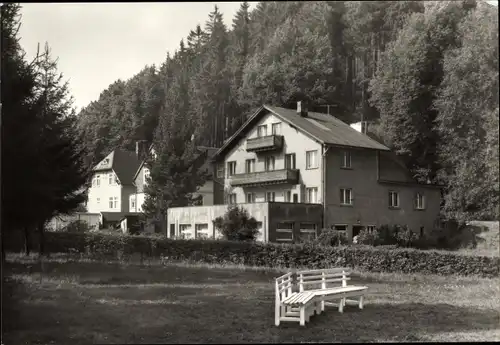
[207, 214]
[104, 192]
[294, 142]
[139, 202]
[207, 192]
[297, 213]
[139, 180]
[127, 191]
[56, 223]
[371, 198]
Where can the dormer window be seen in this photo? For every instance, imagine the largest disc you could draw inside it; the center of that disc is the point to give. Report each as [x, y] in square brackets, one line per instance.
[146, 175]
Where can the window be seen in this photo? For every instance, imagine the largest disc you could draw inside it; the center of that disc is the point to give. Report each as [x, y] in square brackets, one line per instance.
[262, 131]
[110, 178]
[312, 195]
[98, 180]
[250, 198]
[132, 203]
[231, 168]
[146, 175]
[346, 196]
[172, 230]
[284, 232]
[113, 202]
[340, 228]
[231, 199]
[270, 196]
[270, 163]
[201, 231]
[393, 199]
[290, 161]
[185, 230]
[308, 231]
[276, 128]
[370, 228]
[422, 231]
[295, 198]
[311, 159]
[419, 202]
[346, 159]
[250, 165]
[220, 170]
[288, 196]
[98, 200]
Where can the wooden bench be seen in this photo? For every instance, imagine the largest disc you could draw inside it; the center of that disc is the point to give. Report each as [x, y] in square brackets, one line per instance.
[292, 305]
[330, 284]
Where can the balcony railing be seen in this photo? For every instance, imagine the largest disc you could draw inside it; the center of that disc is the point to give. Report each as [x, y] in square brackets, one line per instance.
[267, 143]
[289, 176]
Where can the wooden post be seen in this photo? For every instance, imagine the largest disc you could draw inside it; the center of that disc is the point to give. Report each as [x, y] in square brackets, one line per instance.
[277, 305]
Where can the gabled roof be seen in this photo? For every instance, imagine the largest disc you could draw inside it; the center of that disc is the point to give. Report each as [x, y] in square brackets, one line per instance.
[324, 128]
[142, 163]
[123, 163]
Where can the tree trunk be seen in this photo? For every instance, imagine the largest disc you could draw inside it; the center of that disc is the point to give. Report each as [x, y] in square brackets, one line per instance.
[41, 230]
[27, 244]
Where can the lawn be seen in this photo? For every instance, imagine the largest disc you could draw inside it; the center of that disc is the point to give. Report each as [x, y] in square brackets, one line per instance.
[91, 302]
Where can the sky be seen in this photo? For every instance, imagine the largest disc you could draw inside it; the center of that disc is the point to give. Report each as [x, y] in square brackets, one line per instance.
[98, 43]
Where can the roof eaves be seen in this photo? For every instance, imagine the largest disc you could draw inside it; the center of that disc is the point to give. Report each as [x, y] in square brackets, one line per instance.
[294, 124]
[237, 133]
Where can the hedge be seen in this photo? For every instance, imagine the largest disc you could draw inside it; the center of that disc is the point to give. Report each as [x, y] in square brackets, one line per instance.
[368, 258]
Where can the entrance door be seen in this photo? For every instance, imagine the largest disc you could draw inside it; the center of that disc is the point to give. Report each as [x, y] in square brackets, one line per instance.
[356, 229]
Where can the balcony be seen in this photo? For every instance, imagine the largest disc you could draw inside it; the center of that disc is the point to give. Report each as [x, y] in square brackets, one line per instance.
[267, 143]
[287, 176]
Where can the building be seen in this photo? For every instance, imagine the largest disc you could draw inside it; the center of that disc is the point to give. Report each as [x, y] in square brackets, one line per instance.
[136, 199]
[112, 183]
[298, 171]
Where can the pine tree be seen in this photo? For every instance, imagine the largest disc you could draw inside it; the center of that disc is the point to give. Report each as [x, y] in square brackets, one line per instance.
[174, 173]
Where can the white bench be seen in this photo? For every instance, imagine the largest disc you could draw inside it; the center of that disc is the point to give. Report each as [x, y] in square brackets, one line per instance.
[322, 284]
[292, 305]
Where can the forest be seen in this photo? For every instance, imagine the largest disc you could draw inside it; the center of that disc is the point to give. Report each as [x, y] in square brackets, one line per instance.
[424, 74]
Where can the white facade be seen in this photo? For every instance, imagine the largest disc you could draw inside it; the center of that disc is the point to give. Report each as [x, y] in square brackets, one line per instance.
[136, 202]
[197, 222]
[105, 194]
[295, 142]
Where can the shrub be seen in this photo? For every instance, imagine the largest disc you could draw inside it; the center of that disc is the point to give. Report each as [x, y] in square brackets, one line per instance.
[329, 237]
[77, 226]
[237, 225]
[375, 259]
[368, 237]
[404, 236]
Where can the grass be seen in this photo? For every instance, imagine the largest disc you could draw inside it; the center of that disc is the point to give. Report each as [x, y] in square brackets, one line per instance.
[95, 302]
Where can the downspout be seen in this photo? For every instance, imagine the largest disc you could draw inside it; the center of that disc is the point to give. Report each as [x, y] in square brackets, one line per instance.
[323, 182]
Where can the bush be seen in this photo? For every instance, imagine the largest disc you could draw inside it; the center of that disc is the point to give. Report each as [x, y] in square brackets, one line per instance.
[329, 237]
[375, 259]
[404, 236]
[368, 237]
[77, 226]
[237, 225]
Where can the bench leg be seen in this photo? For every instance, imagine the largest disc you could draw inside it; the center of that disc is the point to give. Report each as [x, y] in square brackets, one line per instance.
[341, 305]
[322, 304]
[361, 302]
[277, 314]
[317, 306]
[303, 315]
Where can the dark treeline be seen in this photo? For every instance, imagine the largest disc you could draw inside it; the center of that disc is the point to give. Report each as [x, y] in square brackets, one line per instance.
[43, 172]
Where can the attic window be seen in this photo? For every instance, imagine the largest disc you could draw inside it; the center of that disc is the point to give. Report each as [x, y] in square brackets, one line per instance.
[106, 161]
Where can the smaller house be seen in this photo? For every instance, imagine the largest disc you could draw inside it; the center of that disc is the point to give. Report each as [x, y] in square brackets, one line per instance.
[112, 184]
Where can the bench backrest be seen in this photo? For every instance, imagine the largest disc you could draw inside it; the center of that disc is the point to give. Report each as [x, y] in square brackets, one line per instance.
[323, 278]
[284, 285]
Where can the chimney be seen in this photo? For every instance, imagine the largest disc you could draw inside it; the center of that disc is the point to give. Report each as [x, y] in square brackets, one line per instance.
[301, 109]
[140, 149]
